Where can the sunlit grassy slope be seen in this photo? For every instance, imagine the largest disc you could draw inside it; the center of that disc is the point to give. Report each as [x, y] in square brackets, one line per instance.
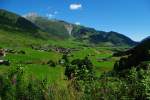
[33, 60]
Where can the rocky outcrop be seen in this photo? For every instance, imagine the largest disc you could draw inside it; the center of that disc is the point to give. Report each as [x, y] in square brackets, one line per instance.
[69, 28]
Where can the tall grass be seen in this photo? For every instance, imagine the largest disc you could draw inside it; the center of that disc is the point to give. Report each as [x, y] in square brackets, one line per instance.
[16, 86]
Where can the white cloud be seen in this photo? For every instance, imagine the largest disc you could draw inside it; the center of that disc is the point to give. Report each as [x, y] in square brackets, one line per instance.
[55, 12]
[34, 15]
[75, 6]
[77, 23]
[31, 14]
[50, 15]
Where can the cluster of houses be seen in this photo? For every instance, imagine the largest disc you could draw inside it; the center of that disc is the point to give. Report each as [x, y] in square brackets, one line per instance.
[2, 55]
[55, 49]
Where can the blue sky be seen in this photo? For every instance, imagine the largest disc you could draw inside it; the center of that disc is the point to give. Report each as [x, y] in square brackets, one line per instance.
[129, 17]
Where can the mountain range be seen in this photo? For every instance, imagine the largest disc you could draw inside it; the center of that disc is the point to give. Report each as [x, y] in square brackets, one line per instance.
[44, 28]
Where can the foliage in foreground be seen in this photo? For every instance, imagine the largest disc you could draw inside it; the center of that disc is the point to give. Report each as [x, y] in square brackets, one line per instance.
[82, 84]
[15, 86]
[132, 83]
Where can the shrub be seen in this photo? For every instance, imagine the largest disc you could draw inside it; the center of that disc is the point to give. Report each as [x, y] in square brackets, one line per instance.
[14, 85]
[81, 69]
[51, 63]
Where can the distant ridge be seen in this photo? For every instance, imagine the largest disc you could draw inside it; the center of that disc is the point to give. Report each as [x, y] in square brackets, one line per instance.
[11, 21]
[45, 28]
[64, 29]
[135, 57]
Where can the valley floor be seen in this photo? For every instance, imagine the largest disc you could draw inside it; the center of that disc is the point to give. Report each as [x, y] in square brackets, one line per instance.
[34, 60]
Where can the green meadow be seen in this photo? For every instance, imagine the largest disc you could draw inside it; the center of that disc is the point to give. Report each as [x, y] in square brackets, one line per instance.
[34, 61]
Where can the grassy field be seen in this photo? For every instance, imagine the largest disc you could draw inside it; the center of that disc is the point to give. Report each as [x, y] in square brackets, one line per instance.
[34, 61]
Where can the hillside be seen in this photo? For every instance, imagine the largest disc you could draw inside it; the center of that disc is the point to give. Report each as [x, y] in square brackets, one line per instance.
[139, 56]
[53, 27]
[12, 22]
[64, 29]
[44, 28]
[113, 38]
